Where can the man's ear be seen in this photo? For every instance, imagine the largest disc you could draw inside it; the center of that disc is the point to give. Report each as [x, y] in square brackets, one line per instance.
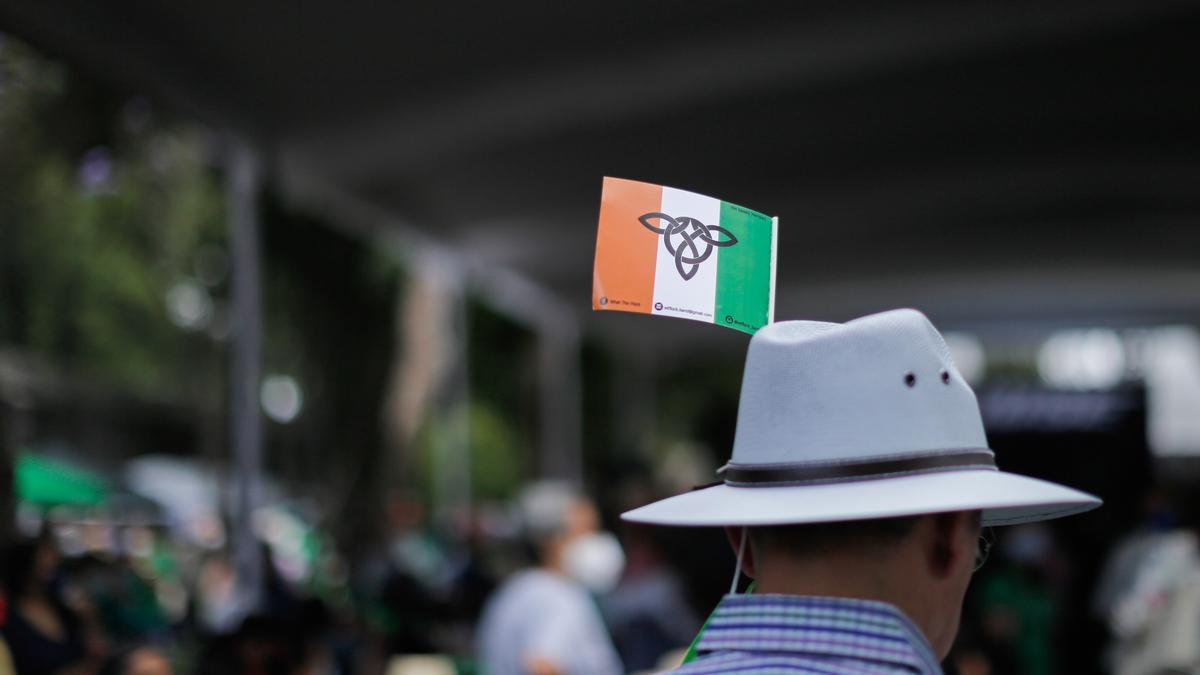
[947, 544]
[735, 535]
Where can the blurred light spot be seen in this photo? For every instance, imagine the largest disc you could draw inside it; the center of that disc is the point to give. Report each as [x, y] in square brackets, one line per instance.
[1023, 409]
[969, 357]
[1169, 360]
[96, 169]
[1082, 359]
[281, 398]
[286, 534]
[189, 305]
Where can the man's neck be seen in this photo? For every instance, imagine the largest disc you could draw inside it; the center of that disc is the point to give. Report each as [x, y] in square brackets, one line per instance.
[847, 576]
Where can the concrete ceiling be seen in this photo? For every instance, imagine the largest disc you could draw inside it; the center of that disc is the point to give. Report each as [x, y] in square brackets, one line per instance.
[985, 161]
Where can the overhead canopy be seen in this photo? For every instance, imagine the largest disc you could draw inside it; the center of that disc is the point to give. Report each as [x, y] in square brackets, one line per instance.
[980, 160]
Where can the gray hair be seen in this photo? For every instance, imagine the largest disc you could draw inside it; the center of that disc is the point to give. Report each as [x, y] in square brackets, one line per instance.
[542, 509]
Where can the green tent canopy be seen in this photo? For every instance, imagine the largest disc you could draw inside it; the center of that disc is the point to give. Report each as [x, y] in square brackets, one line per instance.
[47, 482]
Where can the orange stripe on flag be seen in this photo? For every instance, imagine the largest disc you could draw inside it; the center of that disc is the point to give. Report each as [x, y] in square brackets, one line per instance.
[623, 277]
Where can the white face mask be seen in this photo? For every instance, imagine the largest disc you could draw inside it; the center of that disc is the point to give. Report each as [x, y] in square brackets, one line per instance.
[595, 560]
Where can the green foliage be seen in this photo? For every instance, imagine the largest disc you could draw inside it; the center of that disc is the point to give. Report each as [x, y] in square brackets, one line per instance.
[97, 227]
[496, 459]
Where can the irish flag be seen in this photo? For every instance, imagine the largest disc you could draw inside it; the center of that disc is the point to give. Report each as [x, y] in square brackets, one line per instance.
[675, 253]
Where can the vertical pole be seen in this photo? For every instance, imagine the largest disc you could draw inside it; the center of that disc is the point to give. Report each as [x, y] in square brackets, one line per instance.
[560, 395]
[242, 192]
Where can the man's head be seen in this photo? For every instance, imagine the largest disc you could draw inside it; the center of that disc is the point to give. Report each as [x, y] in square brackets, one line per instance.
[563, 528]
[553, 515]
[921, 564]
[859, 423]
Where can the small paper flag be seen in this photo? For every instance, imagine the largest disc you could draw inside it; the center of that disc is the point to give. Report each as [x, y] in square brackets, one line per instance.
[675, 253]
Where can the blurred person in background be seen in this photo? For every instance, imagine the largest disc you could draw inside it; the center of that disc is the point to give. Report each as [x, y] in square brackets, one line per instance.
[1149, 591]
[648, 612]
[125, 601]
[219, 606]
[44, 634]
[288, 635]
[1019, 603]
[859, 482]
[261, 645]
[544, 620]
[144, 660]
[411, 577]
[273, 645]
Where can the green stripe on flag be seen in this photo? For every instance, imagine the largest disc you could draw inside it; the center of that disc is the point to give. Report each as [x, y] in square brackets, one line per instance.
[744, 270]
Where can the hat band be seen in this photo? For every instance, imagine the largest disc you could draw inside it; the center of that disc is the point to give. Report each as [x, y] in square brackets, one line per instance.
[802, 474]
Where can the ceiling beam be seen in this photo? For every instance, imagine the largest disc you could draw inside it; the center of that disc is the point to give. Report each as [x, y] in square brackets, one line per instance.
[683, 71]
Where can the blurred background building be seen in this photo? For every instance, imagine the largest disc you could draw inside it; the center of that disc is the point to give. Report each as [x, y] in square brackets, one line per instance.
[293, 301]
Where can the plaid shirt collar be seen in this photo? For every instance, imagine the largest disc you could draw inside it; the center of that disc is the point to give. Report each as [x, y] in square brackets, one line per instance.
[833, 628]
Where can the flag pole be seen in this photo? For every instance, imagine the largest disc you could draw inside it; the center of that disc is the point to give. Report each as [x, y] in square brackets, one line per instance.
[774, 258]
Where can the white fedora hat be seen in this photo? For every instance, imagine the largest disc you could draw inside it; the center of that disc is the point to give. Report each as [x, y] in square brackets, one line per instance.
[854, 421]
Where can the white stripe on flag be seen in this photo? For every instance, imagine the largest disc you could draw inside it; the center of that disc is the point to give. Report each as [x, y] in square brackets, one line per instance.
[695, 298]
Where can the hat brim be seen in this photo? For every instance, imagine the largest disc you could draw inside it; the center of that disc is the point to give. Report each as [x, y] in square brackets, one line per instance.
[1004, 498]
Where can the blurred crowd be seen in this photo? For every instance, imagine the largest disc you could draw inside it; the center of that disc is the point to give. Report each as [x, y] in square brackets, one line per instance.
[539, 586]
[93, 614]
[536, 586]
[544, 589]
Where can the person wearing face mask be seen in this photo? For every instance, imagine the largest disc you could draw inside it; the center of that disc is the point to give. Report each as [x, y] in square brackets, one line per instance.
[543, 620]
[859, 484]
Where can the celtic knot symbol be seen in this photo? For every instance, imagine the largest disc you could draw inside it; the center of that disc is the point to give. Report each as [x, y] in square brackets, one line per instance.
[688, 255]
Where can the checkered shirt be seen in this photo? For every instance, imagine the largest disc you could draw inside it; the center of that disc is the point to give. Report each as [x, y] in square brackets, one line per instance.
[797, 634]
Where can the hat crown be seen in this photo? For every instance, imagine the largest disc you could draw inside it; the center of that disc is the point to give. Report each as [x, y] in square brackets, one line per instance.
[880, 386]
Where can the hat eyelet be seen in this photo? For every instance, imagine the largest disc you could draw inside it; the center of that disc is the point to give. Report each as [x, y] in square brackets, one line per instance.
[910, 379]
[945, 377]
